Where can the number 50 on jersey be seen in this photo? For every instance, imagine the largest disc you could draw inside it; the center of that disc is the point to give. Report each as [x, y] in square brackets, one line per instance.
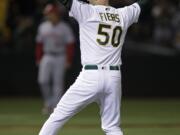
[111, 35]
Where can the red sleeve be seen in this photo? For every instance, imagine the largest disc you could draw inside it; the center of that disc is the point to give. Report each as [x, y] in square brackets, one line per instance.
[39, 52]
[70, 52]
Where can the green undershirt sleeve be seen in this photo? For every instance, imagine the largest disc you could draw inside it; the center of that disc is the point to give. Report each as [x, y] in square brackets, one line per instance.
[66, 3]
[142, 2]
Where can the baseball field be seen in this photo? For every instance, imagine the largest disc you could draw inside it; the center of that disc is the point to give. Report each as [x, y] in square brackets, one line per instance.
[139, 117]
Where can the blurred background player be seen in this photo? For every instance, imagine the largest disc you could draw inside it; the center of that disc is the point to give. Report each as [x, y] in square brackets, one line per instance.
[54, 52]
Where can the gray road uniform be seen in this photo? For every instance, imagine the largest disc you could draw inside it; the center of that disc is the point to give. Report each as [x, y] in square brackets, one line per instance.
[55, 39]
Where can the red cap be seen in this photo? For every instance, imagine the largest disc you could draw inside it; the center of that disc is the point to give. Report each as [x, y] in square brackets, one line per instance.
[51, 8]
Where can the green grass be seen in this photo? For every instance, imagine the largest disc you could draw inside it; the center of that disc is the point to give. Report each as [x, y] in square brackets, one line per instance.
[139, 117]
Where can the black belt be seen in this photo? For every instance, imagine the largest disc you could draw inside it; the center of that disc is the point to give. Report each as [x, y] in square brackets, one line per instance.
[55, 53]
[95, 67]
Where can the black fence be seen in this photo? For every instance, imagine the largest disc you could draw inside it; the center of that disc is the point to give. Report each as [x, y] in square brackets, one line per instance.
[151, 76]
[143, 75]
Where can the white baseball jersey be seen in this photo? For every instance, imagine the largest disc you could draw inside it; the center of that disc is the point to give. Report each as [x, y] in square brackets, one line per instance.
[102, 31]
[54, 37]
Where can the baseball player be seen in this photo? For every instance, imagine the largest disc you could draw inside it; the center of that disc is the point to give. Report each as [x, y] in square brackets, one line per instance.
[102, 33]
[54, 41]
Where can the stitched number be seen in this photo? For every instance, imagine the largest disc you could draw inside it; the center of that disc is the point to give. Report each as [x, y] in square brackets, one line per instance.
[117, 32]
[101, 32]
[115, 38]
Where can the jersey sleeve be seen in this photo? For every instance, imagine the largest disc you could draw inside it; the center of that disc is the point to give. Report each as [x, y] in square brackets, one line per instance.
[131, 14]
[69, 38]
[39, 45]
[80, 10]
[39, 37]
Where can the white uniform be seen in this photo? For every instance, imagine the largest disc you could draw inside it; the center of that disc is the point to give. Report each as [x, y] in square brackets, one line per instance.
[52, 66]
[102, 34]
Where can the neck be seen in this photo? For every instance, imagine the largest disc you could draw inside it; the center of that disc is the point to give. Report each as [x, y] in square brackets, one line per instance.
[104, 3]
[55, 22]
[107, 4]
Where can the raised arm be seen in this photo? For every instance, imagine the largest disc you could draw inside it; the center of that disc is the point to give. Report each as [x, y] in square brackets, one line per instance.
[78, 9]
[66, 3]
[142, 2]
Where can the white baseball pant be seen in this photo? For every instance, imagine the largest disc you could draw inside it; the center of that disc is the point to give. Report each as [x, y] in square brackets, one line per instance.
[51, 77]
[102, 86]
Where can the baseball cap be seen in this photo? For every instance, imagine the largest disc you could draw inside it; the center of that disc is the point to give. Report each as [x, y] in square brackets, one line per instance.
[51, 8]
